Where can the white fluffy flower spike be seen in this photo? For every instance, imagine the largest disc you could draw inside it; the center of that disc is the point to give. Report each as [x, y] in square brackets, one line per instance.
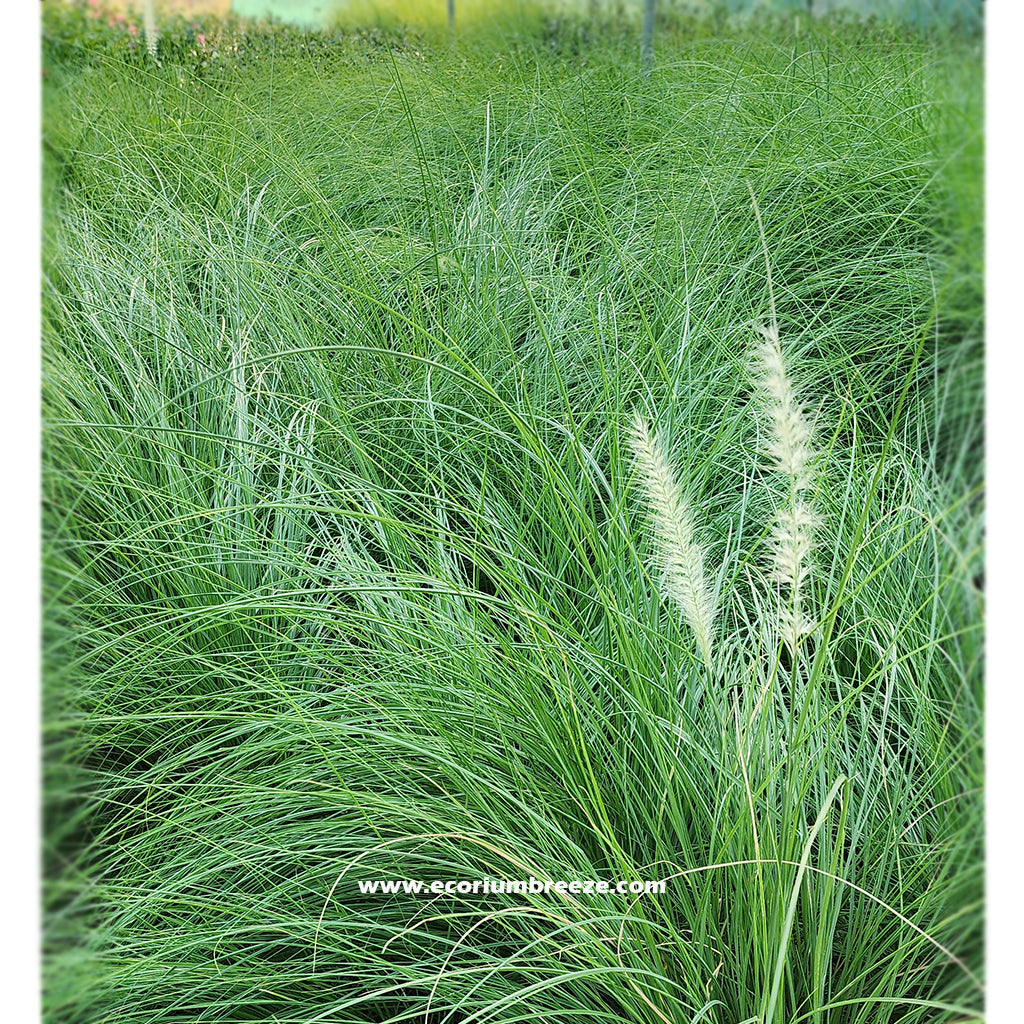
[679, 555]
[792, 453]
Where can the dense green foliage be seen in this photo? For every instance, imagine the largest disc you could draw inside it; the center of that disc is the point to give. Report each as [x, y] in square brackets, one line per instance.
[347, 575]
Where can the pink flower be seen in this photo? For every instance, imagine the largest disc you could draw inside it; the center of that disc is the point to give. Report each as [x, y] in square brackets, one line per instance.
[201, 40]
[132, 30]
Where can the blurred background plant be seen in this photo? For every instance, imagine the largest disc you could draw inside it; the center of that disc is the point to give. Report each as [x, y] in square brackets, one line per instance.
[203, 34]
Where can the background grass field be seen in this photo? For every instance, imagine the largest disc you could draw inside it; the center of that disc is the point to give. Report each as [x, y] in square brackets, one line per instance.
[348, 574]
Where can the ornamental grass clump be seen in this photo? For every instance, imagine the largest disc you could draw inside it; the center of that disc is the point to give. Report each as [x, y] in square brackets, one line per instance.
[679, 555]
[340, 361]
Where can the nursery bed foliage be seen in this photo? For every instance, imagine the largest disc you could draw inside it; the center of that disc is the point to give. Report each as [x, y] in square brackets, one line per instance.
[351, 572]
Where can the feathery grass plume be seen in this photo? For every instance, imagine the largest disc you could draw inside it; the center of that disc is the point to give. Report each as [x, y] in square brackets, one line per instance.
[792, 453]
[679, 555]
[791, 448]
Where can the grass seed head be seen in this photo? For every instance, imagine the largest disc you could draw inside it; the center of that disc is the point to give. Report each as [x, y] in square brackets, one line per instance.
[680, 556]
[790, 447]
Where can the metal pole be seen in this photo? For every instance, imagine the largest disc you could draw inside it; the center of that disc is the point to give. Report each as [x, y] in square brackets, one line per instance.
[647, 36]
